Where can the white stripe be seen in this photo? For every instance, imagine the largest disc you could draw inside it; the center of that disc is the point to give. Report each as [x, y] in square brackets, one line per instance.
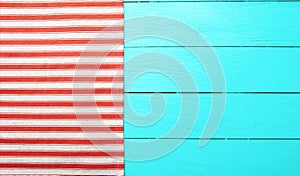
[60, 97]
[62, 10]
[62, 123]
[35, 1]
[118, 172]
[41, 135]
[49, 147]
[53, 23]
[61, 60]
[59, 85]
[37, 73]
[46, 110]
[77, 35]
[83, 48]
[63, 160]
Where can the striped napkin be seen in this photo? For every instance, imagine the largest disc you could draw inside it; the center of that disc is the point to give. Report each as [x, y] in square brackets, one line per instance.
[61, 99]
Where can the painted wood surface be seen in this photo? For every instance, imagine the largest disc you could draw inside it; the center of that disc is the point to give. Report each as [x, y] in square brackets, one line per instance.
[220, 158]
[257, 43]
[245, 116]
[193, 1]
[245, 70]
[225, 24]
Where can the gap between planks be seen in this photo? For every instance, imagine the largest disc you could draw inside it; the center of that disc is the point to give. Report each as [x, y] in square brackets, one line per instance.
[214, 93]
[195, 1]
[211, 47]
[249, 139]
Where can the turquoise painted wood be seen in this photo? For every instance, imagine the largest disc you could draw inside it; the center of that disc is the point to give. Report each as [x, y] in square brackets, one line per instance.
[245, 116]
[257, 44]
[193, 1]
[225, 24]
[245, 70]
[219, 158]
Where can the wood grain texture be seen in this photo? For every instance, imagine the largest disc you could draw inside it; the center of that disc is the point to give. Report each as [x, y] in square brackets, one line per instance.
[220, 158]
[225, 24]
[193, 1]
[245, 116]
[245, 70]
[257, 43]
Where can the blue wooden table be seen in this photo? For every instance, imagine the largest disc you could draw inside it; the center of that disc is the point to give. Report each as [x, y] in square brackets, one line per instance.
[257, 44]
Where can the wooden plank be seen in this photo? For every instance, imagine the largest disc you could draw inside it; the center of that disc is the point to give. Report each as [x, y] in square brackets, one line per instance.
[161, 1]
[220, 158]
[222, 24]
[245, 116]
[245, 70]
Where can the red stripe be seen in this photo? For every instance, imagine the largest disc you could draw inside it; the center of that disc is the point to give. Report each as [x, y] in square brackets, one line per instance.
[42, 175]
[62, 66]
[60, 103]
[61, 141]
[60, 29]
[60, 41]
[62, 166]
[60, 54]
[58, 153]
[61, 79]
[61, 4]
[61, 116]
[62, 17]
[59, 91]
[61, 129]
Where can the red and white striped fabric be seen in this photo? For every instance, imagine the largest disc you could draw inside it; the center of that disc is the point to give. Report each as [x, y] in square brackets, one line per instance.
[43, 44]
